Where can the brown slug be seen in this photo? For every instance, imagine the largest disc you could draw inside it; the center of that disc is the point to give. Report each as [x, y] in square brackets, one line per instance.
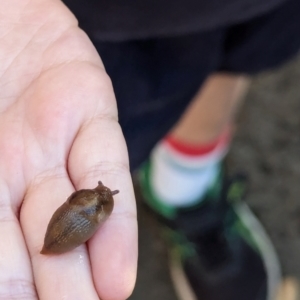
[74, 222]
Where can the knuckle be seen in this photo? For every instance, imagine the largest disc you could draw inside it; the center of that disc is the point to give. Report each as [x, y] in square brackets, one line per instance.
[20, 289]
[104, 169]
[6, 213]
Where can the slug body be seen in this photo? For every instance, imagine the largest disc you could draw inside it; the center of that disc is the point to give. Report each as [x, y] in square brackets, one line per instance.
[78, 219]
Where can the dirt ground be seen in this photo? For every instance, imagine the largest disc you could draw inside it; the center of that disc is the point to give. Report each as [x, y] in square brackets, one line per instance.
[267, 147]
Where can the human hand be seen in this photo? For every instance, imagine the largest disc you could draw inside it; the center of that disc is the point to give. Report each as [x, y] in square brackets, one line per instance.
[58, 132]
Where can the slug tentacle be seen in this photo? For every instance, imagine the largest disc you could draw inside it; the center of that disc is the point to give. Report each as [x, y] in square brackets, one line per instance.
[76, 220]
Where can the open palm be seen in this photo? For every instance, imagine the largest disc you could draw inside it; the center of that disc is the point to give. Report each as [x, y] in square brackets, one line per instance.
[58, 132]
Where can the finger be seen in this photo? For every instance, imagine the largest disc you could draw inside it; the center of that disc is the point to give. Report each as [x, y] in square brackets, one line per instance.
[16, 281]
[99, 153]
[64, 276]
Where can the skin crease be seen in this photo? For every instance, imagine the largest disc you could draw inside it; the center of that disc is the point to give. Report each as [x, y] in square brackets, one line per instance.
[78, 219]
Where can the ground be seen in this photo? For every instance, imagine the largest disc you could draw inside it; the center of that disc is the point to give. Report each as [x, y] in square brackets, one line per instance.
[267, 147]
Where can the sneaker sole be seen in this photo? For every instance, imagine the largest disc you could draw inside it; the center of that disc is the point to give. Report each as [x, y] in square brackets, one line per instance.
[268, 253]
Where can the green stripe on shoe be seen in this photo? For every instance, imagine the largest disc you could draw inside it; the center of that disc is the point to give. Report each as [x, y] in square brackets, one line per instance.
[163, 209]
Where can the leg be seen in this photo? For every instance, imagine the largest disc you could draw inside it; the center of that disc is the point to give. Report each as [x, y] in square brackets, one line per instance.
[183, 184]
[198, 142]
[212, 110]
